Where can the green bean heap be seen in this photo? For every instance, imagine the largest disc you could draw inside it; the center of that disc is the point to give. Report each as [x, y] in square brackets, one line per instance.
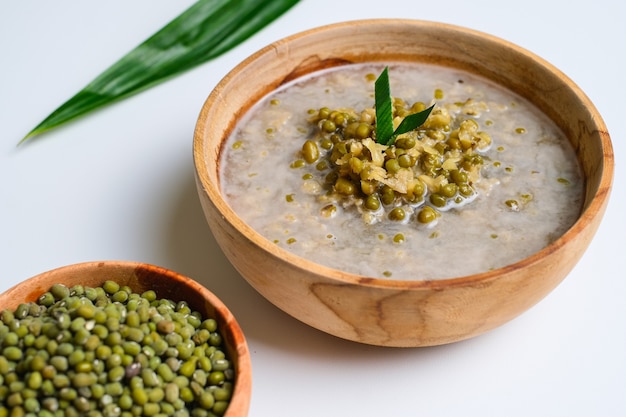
[424, 172]
[108, 351]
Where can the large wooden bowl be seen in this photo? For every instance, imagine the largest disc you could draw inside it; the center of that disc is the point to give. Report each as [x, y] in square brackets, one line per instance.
[167, 284]
[384, 311]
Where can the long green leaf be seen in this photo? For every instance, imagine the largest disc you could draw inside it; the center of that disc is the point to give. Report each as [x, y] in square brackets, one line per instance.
[204, 31]
[382, 103]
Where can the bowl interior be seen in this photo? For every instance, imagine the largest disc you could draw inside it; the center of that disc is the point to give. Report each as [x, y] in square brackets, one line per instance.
[389, 40]
[167, 284]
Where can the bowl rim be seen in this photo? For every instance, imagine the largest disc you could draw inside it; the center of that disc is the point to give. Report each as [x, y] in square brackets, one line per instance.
[596, 205]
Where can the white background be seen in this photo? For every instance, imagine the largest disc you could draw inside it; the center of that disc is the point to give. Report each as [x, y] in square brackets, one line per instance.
[119, 185]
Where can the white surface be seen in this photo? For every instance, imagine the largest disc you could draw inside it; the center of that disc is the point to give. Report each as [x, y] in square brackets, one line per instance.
[119, 185]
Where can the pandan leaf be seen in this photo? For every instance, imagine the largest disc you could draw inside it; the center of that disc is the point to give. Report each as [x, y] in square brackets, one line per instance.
[413, 121]
[204, 31]
[384, 112]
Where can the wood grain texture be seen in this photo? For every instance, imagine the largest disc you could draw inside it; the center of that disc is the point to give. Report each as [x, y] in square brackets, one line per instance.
[167, 284]
[393, 312]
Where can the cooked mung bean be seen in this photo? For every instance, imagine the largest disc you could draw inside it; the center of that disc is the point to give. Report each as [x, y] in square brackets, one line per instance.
[110, 352]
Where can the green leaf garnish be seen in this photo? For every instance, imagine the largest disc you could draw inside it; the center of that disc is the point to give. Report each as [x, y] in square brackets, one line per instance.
[384, 113]
[202, 32]
[413, 121]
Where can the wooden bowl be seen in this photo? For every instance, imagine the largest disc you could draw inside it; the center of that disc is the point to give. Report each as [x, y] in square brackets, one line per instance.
[391, 312]
[167, 284]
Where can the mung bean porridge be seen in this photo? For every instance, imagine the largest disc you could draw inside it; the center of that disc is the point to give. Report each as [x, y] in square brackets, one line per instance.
[486, 181]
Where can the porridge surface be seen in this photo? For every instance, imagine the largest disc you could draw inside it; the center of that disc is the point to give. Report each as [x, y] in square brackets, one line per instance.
[529, 162]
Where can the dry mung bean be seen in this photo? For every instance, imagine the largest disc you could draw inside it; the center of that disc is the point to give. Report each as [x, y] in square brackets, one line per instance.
[110, 352]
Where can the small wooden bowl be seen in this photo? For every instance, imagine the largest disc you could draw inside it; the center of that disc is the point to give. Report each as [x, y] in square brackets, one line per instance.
[391, 312]
[167, 284]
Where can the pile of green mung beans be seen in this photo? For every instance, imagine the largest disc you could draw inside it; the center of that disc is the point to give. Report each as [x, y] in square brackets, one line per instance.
[423, 173]
[107, 352]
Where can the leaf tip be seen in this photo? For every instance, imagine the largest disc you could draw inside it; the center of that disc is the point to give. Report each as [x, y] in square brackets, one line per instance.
[28, 136]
